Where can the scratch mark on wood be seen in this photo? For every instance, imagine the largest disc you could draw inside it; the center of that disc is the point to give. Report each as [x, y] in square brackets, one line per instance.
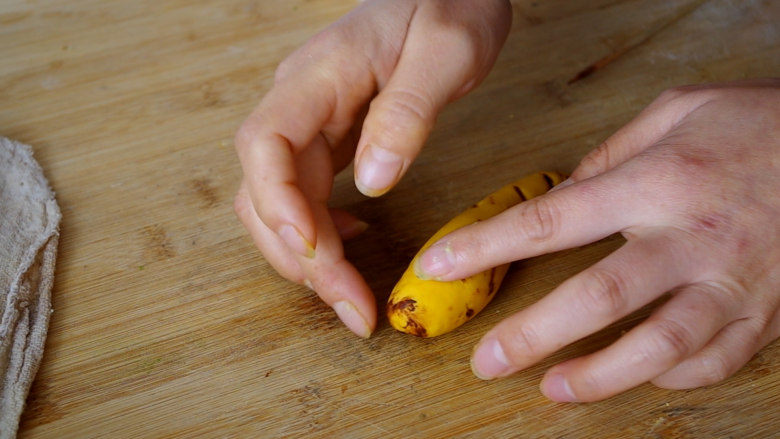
[633, 43]
[367, 422]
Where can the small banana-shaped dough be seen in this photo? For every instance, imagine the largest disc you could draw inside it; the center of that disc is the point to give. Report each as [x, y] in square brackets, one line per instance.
[427, 308]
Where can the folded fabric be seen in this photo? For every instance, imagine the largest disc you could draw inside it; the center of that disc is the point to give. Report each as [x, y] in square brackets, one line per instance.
[29, 232]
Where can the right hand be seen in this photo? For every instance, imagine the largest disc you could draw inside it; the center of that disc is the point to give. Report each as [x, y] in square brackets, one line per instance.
[369, 87]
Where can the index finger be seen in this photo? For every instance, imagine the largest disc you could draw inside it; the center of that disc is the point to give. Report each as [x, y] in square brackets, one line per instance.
[266, 145]
[307, 106]
[544, 224]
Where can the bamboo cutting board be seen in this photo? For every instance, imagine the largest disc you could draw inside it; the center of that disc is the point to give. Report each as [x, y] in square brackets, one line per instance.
[168, 323]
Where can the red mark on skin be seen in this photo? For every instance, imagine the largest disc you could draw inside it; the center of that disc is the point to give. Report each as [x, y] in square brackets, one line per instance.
[710, 223]
[707, 224]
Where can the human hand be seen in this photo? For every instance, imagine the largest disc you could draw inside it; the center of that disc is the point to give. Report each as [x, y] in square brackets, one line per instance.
[369, 87]
[692, 184]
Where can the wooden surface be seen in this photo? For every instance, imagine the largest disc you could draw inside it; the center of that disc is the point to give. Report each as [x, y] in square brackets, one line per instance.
[168, 323]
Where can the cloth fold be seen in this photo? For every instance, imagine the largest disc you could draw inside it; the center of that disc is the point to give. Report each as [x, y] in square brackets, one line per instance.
[29, 234]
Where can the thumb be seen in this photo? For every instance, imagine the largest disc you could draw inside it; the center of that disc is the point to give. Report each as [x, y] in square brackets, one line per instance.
[445, 55]
[347, 224]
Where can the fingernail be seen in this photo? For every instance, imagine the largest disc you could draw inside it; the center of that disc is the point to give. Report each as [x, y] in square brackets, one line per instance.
[561, 185]
[353, 230]
[557, 388]
[435, 262]
[489, 360]
[352, 318]
[295, 241]
[377, 170]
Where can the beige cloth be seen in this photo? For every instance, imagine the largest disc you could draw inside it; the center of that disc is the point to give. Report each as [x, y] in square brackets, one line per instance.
[29, 232]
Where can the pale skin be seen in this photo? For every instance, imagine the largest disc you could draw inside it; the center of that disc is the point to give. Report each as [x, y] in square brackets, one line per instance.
[691, 183]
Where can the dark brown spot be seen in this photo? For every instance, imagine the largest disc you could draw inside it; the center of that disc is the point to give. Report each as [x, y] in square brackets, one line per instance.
[158, 244]
[415, 328]
[492, 283]
[41, 408]
[406, 305]
[519, 193]
[205, 192]
[548, 180]
[558, 92]
[469, 313]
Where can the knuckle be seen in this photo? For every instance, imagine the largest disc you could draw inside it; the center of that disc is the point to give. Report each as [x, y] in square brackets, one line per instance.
[670, 340]
[713, 369]
[595, 162]
[468, 248]
[471, 37]
[589, 385]
[406, 106]
[285, 68]
[289, 269]
[522, 342]
[673, 93]
[687, 95]
[244, 137]
[332, 37]
[470, 42]
[242, 205]
[682, 92]
[604, 292]
[328, 48]
[538, 220]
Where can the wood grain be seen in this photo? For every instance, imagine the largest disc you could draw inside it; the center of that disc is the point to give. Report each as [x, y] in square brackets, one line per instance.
[168, 323]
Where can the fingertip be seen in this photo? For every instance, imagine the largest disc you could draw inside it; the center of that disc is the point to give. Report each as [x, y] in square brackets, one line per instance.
[377, 170]
[555, 386]
[561, 185]
[437, 262]
[353, 318]
[295, 241]
[340, 285]
[353, 229]
[489, 360]
[347, 225]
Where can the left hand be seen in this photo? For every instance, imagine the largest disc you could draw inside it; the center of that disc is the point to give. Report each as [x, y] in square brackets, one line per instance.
[368, 88]
[693, 183]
